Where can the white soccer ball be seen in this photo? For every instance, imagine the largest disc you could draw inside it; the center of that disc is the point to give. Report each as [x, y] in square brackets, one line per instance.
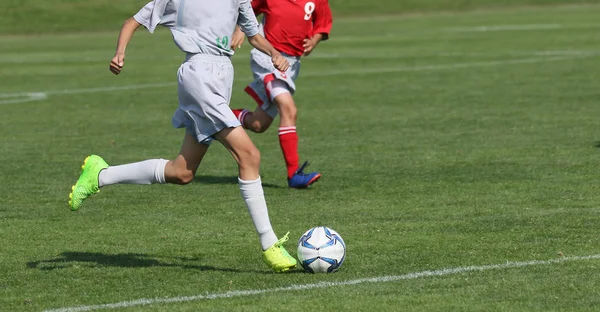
[321, 250]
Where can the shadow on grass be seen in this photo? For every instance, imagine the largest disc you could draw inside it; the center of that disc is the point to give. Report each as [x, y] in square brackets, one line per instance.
[70, 259]
[227, 180]
[597, 144]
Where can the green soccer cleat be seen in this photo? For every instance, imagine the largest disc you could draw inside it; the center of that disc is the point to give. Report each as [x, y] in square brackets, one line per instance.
[277, 258]
[87, 184]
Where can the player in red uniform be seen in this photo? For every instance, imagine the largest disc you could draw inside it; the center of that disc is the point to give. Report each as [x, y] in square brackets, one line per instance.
[294, 28]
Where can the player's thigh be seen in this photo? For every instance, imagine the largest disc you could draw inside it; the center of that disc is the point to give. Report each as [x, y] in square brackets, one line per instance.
[281, 95]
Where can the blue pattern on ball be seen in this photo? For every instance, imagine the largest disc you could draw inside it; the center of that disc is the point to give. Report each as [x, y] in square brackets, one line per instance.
[333, 239]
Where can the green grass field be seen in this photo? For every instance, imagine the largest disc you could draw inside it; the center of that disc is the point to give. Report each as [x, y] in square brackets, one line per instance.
[445, 140]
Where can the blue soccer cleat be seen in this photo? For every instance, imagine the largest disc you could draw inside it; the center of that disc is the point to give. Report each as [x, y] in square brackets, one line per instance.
[301, 180]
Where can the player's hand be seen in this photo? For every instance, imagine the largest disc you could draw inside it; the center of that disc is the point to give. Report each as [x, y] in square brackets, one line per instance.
[237, 40]
[280, 62]
[117, 62]
[309, 45]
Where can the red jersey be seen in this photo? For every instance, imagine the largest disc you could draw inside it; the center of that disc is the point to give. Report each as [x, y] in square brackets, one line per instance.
[288, 22]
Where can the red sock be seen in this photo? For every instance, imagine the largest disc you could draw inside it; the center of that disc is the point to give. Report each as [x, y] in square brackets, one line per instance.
[288, 139]
[240, 114]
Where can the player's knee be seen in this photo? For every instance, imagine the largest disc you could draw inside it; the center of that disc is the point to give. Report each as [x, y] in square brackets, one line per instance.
[249, 158]
[257, 127]
[289, 112]
[254, 157]
[259, 122]
[183, 177]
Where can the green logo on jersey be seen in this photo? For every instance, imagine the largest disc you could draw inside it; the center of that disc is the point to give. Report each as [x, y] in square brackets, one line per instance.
[223, 43]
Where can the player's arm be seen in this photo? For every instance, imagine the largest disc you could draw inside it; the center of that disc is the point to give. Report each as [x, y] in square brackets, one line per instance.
[238, 38]
[249, 25]
[149, 16]
[127, 31]
[311, 43]
[322, 22]
[260, 43]
[258, 6]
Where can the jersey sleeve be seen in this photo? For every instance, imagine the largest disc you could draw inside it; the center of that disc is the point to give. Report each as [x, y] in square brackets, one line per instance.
[258, 6]
[247, 19]
[322, 19]
[151, 14]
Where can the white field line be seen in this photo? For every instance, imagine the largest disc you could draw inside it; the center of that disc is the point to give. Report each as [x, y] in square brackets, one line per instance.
[12, 98]
[443, 66]
[520, 27]
[392, 55]
[574, 53]
[22, 97]
[89, 90]
[299, 287]
[517, 27]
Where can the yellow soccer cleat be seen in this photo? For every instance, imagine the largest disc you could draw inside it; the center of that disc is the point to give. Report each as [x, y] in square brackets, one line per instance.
[87, 184]
[277, 258]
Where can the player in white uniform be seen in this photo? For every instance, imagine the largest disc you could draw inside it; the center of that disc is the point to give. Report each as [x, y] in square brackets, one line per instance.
[201, 29]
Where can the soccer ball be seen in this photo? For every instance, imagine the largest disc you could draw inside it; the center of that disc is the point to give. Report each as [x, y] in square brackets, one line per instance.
[321, 250]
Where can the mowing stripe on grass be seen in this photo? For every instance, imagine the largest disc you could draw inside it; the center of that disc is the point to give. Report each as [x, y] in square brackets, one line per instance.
[13, 98]
[381, 279]
[355, 53]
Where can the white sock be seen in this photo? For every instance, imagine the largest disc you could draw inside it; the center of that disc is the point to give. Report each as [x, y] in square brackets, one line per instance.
[253, 195]
[143, 172]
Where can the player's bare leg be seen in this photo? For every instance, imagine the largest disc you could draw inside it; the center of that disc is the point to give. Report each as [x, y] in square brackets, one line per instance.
[96, 173]
[287, 109]
[259, 121]
[237, 141]
[183, 168]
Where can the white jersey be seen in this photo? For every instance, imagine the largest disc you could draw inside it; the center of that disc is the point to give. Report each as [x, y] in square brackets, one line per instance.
[202, 29]
[200, 26]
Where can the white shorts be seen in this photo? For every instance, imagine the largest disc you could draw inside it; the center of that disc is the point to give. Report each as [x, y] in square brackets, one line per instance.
[204, 87]
[264, 72]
